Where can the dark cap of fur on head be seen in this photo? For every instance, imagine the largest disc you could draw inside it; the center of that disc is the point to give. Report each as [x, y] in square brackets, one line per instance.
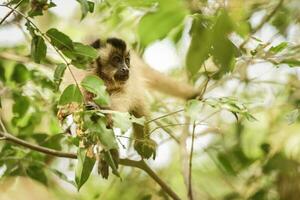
[117, 43]
[96, 44]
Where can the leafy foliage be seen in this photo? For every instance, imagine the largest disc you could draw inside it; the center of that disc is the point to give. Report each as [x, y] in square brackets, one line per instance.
[210, 38]
[248, 52]
[38, 49]
[71, 94]
[84, 168]
[96, 86]
[161, 21]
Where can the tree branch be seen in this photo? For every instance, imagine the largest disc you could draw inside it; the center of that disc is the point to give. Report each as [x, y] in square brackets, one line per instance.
[41, 149]
[126, 162]
[143, 166]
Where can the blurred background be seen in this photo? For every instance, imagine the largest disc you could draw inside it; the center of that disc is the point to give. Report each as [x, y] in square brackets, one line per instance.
[246, 143]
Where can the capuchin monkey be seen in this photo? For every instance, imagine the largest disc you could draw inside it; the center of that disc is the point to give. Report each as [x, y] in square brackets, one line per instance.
[127, 78]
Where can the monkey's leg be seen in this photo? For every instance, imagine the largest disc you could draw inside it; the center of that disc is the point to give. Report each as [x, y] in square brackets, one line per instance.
[143, 144]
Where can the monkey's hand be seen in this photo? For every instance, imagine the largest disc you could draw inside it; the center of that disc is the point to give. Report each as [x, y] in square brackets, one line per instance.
[92, 106]
[109, 121]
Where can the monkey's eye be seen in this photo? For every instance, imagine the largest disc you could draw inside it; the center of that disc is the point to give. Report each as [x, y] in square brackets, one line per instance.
[116, 59]
[127, 60]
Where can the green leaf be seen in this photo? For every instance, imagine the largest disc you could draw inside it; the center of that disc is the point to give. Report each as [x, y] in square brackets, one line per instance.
[71, 94]
[193, 108]
[81, 55]
[21, 105]
[30, 28]
[291, 62]
[111, 162]
[97, 125]
[91, 6]
[106, 136]
[62, 176]
[85, 50]
[140, 3]
[20, 74]
[122, 120]
[200, 44]
[279, 48]
[36, 11]
[161, 21]
[36, 172]
[85, 7]
[2, 73]
[210, 38]
[282, 19]
[96, 86]
[84, 168]
[39, 78]
[38, 49]
[223, 50]
[226, 164]
[58, 74]
[59, 39]
[232, 105]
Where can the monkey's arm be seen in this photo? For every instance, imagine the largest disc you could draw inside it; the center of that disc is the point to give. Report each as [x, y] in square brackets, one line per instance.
[163, 83]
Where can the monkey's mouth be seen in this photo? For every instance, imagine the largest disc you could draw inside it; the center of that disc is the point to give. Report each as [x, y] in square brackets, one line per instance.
[121, 77]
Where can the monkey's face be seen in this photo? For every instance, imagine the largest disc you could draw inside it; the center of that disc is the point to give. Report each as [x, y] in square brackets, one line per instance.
[114, 61]
[120, 66]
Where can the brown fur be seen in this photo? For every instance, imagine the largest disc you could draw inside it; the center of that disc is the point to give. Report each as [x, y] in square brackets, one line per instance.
[129, 95]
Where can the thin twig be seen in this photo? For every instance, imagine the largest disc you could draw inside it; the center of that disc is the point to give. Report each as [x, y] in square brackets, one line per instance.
[163, 116]
[46, 38]
[126, 162]
[168, 131]
[10, 12]
[171, 125]
[262, 23]
[190, 189]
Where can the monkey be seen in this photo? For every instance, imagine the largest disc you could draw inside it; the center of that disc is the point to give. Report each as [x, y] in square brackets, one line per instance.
[127, 77]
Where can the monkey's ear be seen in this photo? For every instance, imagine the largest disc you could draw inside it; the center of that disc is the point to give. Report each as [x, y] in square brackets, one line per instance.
[96, 44]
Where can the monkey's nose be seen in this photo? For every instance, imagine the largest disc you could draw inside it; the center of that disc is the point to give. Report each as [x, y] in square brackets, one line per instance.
[125, 71]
